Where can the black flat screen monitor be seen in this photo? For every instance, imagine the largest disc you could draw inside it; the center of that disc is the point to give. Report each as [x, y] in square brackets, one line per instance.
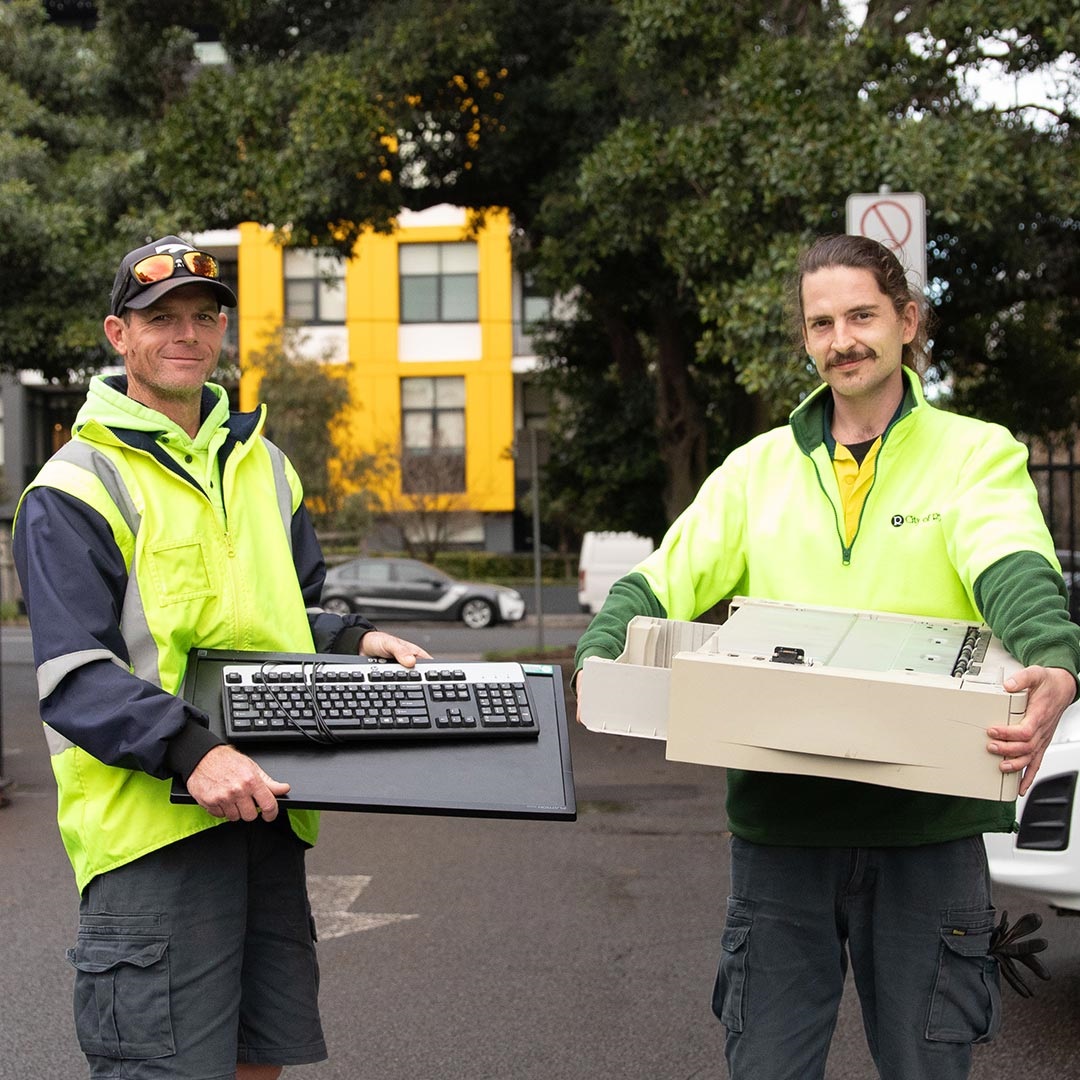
[527, 777]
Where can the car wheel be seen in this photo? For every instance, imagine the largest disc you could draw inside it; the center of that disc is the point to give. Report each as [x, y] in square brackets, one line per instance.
[476, 614]
[337, 606]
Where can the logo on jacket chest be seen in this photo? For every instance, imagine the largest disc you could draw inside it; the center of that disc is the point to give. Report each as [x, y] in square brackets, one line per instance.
[914, 519]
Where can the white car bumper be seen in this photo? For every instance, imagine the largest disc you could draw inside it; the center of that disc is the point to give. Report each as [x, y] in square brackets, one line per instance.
[511, 606]
[1043, 858]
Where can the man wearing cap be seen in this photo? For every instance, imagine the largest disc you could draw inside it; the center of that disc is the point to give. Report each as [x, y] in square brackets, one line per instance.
[169, 522]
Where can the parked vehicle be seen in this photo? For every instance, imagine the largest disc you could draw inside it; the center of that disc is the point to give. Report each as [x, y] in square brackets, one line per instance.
[386, 588]
[1043, 858]
[606, 557]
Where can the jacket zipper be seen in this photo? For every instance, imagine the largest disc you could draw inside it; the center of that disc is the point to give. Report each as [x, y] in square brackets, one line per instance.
[846, 548]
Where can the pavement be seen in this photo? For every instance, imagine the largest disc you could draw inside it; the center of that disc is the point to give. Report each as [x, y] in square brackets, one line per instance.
[613, 968]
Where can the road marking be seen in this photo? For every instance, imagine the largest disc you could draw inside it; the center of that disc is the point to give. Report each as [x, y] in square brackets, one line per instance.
[331, 897]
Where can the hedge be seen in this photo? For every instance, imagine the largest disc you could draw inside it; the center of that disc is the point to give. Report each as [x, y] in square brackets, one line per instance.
[487, 565]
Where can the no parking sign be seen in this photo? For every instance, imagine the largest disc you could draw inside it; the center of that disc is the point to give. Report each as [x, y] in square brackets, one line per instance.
[896, 219]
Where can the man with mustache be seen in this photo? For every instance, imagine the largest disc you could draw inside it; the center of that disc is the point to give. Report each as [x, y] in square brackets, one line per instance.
[869, 498]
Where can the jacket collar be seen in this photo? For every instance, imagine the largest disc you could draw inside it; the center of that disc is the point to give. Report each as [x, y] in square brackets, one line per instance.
[107, 403]
[811, 418]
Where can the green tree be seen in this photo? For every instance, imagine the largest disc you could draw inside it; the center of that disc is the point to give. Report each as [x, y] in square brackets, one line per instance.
[305, 400]
[599, 475]
[425, 503]
[73, 177]
[749, 148]
[664, 160]
[54, 171]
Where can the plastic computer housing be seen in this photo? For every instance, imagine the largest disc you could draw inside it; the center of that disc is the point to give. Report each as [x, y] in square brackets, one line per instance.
[899, 700]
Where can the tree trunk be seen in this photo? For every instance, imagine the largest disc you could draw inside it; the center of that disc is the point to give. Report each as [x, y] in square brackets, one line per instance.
[679, 416]
[680, 424]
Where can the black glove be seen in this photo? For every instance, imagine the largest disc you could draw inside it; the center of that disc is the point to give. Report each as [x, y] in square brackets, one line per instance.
[1007, 948]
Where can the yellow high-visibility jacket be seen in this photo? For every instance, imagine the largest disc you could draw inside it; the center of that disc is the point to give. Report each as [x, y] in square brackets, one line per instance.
[950, 528]
[134, 544]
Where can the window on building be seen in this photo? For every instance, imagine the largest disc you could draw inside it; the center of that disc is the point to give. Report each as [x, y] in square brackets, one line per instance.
[535, 305]
[438, 283]
[531, 308]
[314, 286]
[535, 403]
[433, 434]
[230, 275]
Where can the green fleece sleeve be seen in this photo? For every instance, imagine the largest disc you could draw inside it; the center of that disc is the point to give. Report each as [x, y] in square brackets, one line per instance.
[1023, 600]
[606, 634]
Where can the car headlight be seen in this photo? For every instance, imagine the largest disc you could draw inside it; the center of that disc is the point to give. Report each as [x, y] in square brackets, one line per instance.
[511, 603]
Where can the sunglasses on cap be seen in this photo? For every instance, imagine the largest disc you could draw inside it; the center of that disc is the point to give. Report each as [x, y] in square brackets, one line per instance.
[159, 267]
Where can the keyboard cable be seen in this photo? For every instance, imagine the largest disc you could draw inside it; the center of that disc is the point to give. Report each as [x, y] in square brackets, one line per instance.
[322, 734]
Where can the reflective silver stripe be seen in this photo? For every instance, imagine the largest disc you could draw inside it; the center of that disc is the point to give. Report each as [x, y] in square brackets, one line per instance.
[56, 742]
[134, 626]
[94, 461]
[135, 630]
[281, 486]
[52, 672]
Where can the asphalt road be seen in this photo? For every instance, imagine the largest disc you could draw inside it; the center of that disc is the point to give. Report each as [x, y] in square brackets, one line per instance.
[472, 949]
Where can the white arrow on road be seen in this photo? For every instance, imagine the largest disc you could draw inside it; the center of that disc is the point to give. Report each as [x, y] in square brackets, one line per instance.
[331, 897]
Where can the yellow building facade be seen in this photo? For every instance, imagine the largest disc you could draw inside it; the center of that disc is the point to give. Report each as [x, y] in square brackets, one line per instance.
[420, 323]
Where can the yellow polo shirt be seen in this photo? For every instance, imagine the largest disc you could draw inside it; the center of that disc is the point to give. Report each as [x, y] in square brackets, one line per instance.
[854, 480]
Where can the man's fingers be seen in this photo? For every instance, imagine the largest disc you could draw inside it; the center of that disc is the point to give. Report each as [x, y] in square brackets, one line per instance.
[231, 785]
[1031, 772]
[379, 643]
[265, 798]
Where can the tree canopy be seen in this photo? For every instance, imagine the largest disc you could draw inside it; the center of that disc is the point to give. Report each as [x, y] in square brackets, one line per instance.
[663, 161]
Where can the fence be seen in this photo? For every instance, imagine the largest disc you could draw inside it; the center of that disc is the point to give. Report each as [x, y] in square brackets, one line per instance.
[1056, 474]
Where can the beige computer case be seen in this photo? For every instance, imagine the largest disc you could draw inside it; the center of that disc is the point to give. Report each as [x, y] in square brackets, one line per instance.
[718, 697]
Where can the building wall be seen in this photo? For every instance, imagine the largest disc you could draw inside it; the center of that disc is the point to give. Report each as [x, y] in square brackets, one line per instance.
[377, 351]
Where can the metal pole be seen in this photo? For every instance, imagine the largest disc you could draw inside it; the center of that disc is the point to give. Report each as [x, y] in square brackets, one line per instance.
[537, 575]
[4, 800]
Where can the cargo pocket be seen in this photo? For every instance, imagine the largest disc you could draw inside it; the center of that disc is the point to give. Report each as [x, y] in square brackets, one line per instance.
[966, 1003]
[729, 991]
[122, 988]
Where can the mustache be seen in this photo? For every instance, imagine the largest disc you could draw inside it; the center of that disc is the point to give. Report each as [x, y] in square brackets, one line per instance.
[835, 358]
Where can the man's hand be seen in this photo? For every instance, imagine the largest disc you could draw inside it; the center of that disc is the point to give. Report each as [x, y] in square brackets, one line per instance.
[377, 643]
[229, 784]
[1050, 692]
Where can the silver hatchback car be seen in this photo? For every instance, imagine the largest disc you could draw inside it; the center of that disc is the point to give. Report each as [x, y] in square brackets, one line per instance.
[390, 588]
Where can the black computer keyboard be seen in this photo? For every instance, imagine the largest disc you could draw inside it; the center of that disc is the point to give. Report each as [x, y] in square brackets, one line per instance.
[339, 699]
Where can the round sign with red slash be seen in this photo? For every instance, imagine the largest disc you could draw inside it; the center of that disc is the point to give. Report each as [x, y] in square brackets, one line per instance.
[888, 222]
[896, 219]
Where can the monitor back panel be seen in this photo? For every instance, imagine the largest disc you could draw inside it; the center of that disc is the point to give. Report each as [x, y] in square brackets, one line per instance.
[529, 778]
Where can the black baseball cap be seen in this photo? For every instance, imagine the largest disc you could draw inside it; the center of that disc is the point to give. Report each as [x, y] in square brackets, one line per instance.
[166, 264]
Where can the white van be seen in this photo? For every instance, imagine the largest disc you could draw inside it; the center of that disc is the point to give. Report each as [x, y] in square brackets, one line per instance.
[606, 557]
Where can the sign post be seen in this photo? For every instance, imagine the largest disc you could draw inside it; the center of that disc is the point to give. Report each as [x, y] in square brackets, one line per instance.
[896, 219]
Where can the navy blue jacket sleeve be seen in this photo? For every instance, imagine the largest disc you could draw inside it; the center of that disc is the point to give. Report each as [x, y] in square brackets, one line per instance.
[73, 580]
[331, 633]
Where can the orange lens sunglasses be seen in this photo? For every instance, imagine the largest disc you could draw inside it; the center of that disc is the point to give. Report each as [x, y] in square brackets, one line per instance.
[160, 267]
